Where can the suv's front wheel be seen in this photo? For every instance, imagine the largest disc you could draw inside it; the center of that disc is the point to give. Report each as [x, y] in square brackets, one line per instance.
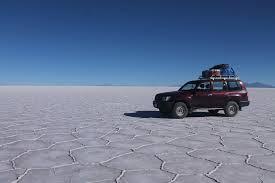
[231, 109]
[180, 110]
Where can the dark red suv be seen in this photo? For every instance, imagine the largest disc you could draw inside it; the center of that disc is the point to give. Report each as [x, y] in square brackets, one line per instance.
[229, 95]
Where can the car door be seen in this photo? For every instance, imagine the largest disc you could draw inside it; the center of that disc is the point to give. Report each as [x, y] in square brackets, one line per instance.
[201, 95]
[218, 96]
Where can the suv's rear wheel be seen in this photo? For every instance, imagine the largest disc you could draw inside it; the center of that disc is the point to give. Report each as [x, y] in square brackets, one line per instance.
[180, 110]
[231, 109]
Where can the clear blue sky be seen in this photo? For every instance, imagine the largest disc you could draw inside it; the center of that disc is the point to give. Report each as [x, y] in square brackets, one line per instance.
[137, 42]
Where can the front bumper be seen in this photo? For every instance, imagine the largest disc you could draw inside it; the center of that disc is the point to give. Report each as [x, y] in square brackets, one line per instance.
[244, 103]
[163, 105]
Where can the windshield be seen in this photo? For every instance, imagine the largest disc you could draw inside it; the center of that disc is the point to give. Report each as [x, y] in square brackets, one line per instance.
[188, 86]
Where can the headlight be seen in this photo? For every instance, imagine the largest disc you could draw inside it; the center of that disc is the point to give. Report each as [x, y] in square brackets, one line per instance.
[166, 98]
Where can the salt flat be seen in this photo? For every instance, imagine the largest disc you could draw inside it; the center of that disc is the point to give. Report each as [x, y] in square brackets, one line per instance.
[113, 134]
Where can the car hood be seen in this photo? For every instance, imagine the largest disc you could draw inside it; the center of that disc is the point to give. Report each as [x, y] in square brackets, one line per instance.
[172, 93]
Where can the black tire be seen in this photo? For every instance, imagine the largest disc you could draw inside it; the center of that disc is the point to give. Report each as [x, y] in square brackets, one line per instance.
[213, 111]
[180, 110]
[231, 109]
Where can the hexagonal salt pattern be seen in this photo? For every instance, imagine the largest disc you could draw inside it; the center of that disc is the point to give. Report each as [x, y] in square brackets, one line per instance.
[193, 179]
[135, 161]
[72, 173]
[264, 162]
[146, 176]
[94, 134]
[239, 172]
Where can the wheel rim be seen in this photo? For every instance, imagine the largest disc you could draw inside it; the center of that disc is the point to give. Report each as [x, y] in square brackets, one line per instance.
[232, 109]
[180, 111]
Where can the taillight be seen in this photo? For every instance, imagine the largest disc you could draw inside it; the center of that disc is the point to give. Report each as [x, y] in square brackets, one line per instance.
[243, 86]
[245, 96]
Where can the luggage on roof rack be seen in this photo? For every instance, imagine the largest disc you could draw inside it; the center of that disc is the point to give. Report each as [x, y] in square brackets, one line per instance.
[221, 70]
[220, 77]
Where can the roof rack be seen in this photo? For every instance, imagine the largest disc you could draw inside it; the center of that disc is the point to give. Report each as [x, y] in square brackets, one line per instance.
[220, 77]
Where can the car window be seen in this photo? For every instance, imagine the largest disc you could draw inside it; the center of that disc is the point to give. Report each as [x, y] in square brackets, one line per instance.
[219, 86]
[233, 86]
[204, 86]
[188, 86]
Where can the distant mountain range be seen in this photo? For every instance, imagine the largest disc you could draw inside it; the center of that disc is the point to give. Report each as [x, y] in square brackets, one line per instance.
[258, 85]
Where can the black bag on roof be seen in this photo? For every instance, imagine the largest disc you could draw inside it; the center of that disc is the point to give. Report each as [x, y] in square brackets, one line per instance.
[205, 74]
[220, 66]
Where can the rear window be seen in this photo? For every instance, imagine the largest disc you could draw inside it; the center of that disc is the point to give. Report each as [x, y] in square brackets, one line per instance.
[233, 86]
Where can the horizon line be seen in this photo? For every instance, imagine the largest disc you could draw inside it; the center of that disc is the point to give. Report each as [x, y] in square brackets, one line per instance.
[172, 86]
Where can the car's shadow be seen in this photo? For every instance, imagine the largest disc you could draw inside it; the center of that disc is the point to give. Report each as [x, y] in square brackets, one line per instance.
[157, 114]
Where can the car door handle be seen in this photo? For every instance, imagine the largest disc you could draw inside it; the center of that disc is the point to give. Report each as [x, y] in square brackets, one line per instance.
[210, 95]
